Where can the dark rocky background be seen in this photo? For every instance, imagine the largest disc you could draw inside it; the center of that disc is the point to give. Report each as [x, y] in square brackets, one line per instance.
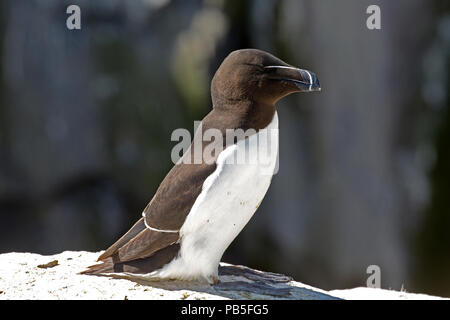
[86, 118]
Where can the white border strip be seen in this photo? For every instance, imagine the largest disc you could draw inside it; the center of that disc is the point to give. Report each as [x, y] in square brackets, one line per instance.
[154, 229]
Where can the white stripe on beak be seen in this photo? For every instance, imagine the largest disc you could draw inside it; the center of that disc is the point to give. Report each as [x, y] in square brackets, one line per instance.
[310, 79]
[281, 67]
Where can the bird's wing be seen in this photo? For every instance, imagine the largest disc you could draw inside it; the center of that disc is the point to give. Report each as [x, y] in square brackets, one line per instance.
[165, 214]
[144, 245]
[133, 232]
[176, 195]
[139, 242]
[183, 184]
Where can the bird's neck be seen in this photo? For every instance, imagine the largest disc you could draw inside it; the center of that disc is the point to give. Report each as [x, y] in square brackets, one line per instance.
[246, 114]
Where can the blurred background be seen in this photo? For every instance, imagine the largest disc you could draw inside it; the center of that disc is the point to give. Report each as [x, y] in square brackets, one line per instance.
[86, 118]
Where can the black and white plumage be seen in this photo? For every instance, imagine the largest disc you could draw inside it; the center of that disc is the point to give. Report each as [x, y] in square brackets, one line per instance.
[200, 208]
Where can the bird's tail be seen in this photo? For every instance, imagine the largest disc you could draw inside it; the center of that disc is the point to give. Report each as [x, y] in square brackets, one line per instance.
[100, 268]
[140, 266]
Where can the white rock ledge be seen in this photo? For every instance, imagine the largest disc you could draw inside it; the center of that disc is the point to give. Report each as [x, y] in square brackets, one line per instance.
[34, 276]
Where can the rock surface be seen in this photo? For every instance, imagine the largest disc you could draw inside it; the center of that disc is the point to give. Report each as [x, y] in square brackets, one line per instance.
[33, 276]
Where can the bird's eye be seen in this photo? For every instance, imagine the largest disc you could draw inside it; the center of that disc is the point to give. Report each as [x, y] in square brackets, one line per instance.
[255, 66]
[259, 68]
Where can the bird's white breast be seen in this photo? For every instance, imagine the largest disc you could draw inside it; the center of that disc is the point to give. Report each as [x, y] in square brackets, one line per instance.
[229, 198]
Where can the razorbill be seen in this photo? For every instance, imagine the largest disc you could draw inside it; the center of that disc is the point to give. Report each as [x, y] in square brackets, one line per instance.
[201, 206]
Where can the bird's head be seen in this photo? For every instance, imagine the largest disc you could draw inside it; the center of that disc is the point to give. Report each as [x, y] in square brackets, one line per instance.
[255, 75]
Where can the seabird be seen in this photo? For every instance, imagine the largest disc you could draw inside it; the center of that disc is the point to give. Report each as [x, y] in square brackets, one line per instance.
[200, 208]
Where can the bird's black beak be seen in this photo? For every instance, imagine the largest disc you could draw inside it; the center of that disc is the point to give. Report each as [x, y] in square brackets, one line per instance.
[304, 80]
